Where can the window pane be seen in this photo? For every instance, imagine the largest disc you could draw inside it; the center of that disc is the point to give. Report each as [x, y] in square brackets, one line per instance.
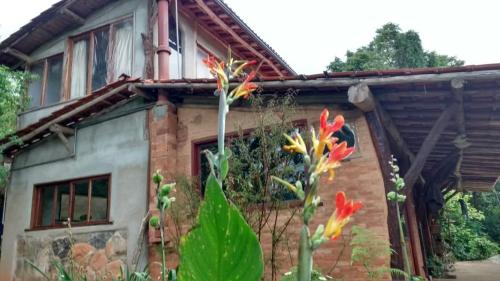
[62, 203]
[175, 62]
[100, 63]
[35, 87]
[47, 202]
[99, 201]
[122, 49]
[201, 69]
[80, 204]
[54, 77]
[79, 69]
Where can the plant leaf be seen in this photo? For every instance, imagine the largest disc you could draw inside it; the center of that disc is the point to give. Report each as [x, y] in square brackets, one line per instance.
[222, 247]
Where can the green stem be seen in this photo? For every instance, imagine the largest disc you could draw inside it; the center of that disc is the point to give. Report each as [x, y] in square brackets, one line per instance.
[163, 257]
[305, 255]
[223, 107]
[403, 244]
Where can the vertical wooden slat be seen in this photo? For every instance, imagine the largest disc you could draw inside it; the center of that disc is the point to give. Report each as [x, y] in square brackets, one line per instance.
[90, 62]
[44, 82]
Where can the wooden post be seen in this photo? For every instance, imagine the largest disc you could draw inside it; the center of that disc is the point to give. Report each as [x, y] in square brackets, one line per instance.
[362, 97]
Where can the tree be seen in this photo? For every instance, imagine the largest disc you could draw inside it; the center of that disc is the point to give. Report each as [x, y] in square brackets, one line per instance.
[12, 101]
[392, 48]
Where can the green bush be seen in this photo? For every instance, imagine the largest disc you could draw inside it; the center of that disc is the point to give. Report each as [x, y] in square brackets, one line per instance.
[465, 233]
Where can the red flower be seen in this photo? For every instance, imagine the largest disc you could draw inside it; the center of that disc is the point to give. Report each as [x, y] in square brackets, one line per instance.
[343, 211]
[244, 89]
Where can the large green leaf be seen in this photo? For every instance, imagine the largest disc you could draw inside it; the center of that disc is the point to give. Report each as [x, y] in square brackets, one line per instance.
[222, 247]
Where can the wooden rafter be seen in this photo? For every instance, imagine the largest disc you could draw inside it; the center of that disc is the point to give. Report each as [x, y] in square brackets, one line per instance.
[78, 19]
[427, 146]
[18, 54]
[213, 17]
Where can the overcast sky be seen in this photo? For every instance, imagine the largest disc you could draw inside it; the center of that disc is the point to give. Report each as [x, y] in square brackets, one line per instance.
[309, 34]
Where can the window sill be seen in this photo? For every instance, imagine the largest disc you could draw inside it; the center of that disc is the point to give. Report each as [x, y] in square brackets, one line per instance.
[73, 225]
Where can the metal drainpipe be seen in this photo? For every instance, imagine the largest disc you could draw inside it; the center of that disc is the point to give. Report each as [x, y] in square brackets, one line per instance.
[163, 46]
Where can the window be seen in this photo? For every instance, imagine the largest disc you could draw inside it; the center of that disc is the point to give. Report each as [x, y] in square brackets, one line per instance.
[201, 69]
[248, 161]
[45, 88]
[85, 201]
[100, 57]
[175, 66]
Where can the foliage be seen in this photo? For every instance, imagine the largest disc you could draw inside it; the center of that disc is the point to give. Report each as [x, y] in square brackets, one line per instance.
[397, 196]
[163, 203]
[392, 48]
[367, 250]
[222, 247]
[183, 214]
[489, 204]
[256, 157]
[436, 266]
[316, 275]
[12, 101]
[465, 233]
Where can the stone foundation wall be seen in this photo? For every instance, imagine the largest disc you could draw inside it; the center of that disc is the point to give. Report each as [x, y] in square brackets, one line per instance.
[97, 255]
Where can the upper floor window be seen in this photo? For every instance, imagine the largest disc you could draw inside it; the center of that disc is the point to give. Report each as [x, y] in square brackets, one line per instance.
[201, 69]
[100, 57]
[85, 201]
[45, 88]
[175, 44]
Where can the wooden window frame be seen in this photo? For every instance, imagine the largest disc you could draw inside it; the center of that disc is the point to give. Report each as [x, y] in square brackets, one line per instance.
[89, 35]
[37, 202]
[43, 79]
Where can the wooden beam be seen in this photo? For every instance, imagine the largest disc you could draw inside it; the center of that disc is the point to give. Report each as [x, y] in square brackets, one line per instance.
[61, 118]
[346, 82]
[78, 19]
[427, 146]
[361, 96]
[20, 55]
[237, 37]
[384, 155]
[140, 92]
[56, 128]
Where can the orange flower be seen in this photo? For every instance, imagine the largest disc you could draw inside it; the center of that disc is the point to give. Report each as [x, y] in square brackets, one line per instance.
[244, 89]
[326, 131]
[217, 69]
[242, 66]
[328, 163]
[343, 211]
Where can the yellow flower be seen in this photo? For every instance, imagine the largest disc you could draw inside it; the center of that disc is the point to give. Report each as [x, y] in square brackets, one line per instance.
[297, 144]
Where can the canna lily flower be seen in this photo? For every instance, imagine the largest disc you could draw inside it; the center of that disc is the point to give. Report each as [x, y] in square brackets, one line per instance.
[244, 89]
[217, 69]
[297, 144]
[343, 211]
[326, 131]
[328, 163]
[242, 66]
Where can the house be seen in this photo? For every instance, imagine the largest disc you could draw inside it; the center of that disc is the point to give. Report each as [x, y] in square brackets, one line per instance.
[123, 92]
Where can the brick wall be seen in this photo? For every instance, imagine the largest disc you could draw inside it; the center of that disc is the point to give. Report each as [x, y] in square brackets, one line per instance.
[359, 177]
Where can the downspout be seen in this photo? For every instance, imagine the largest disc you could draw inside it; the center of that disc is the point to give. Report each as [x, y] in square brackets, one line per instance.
[163, 46]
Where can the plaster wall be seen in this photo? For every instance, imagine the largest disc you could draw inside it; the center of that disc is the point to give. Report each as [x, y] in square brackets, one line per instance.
[138, 9]
[118, 146]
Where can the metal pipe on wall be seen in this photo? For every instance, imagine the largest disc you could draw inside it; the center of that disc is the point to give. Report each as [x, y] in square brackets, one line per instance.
[163, 46]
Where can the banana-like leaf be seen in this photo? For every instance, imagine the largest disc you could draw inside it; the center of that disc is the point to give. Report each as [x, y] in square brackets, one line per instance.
[222, 247]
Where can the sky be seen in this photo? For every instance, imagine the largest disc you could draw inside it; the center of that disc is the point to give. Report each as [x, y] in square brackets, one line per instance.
[309, 34]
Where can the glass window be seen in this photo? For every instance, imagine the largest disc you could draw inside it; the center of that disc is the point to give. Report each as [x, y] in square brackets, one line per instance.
[35, 87]
[201, 69]
[99, 200]
[106, 52]
[79, 69]
[81, 201]
[85, 201]
[100, 59]
[54, 78]
[175, 44]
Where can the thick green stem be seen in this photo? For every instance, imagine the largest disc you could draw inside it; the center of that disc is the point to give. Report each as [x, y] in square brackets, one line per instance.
[221, 131]
[403, 244]
[305, 255]
[163, 257]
